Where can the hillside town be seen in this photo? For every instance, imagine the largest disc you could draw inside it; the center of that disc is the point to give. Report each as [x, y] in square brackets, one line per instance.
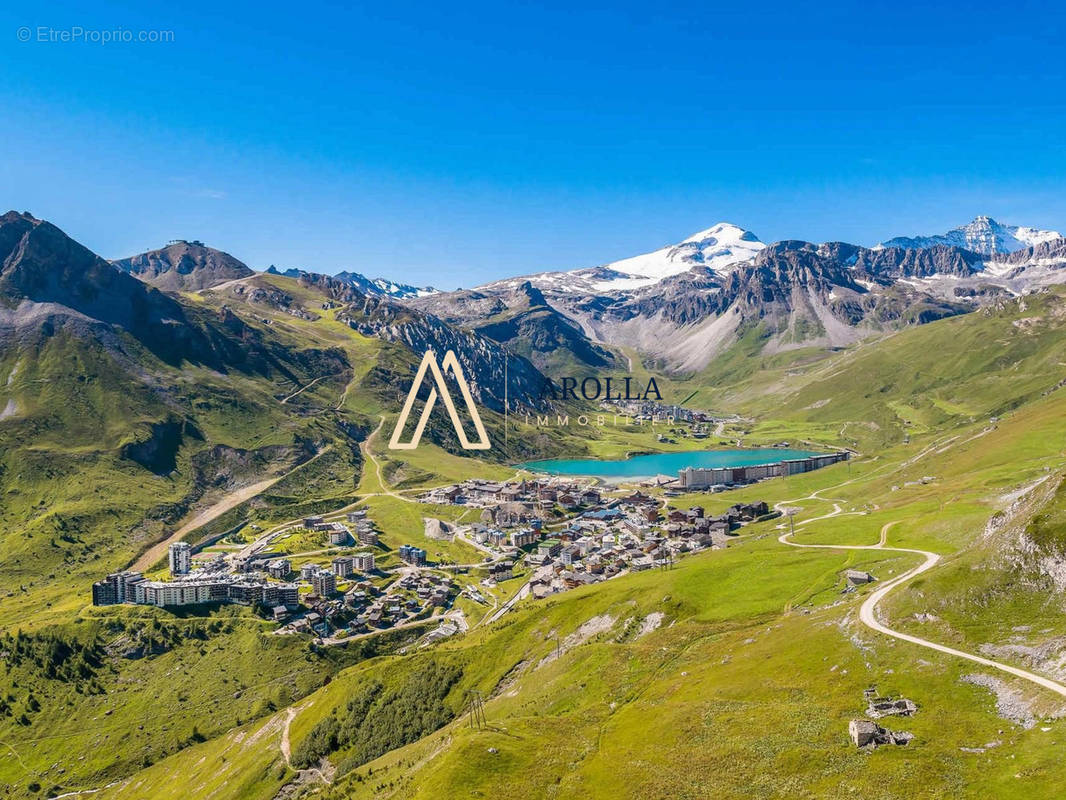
[347, 596]
[569, 535]
[554, 534]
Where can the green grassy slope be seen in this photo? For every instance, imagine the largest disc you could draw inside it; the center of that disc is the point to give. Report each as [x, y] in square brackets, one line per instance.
[109, 449]
[762, 711]
[121, 688]
[929, 378]
[746, 686]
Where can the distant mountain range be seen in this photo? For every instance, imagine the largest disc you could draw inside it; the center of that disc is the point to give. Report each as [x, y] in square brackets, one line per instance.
[685, 304]
[984, 236]
[190, 266]
[680, 306]
[136, 311]
[374, 287]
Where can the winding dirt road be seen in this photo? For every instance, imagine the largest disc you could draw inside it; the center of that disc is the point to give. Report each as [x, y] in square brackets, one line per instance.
[369, 453]
[868, 610]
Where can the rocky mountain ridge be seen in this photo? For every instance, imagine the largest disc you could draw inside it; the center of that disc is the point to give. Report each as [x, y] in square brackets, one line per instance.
[982, 235]
[379, 287]
[788, 294]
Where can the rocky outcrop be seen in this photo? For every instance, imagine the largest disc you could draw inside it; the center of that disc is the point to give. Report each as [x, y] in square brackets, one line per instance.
[492, 373]
[523, 319]
[1054, 249]
[898, 262]
[264, 293]
[184, 266]
[437, 529]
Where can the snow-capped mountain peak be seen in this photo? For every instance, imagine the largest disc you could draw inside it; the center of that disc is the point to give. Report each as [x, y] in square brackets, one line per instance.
[716, 248]
[723, 231]
[384, 287]
[983, 235]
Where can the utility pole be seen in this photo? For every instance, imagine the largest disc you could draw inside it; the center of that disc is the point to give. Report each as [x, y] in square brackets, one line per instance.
[476, 706]
[791, 512]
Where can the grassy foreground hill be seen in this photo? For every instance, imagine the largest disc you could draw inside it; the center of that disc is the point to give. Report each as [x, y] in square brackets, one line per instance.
[735, 673]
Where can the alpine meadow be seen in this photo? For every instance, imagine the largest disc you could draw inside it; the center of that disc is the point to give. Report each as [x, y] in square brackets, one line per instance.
[518, 401]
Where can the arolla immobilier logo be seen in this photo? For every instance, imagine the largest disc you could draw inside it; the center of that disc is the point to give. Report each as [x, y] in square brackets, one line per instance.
[440, 388]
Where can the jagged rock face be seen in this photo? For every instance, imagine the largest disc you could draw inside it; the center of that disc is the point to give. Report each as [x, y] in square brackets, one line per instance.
[333, 288]
[784, 267]
[897, 262]
[522, 319]
[1053, 249]
[460, 308]
[682, 299]
[542, 334]
[184, 266]
[491, 372]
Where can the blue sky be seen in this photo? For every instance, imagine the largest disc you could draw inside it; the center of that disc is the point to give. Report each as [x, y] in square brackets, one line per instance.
[449, 144]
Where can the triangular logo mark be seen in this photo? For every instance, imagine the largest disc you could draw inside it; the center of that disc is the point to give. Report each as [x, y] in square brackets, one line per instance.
[429, 362]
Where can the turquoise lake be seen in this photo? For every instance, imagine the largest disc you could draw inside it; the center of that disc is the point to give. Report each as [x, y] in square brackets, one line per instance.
[648, 466]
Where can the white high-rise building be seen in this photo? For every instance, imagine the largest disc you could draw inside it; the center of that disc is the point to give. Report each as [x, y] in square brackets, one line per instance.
[180, 558]
[364, 562]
